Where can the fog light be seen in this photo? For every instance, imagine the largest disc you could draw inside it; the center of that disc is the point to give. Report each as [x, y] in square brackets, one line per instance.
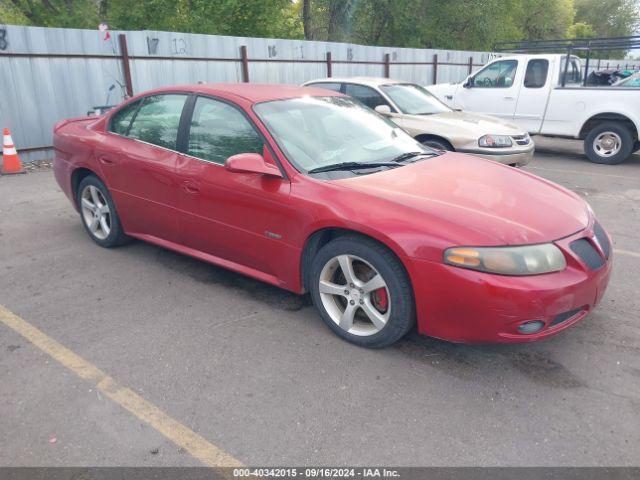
[531, 327]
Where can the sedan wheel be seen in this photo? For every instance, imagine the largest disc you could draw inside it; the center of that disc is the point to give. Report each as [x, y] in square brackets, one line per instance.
[98, 213]
[355, 295]
[362, 291]
[95, 212]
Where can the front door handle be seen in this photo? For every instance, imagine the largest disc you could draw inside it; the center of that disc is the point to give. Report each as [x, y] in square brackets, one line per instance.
[190, 188]
[449, 97]
[508, 98]
[106, 161]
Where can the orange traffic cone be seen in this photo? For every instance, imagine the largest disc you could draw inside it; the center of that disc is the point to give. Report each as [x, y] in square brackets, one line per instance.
[10, 159]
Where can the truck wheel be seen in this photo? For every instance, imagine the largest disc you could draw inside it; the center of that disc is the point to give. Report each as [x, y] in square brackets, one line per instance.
[609, 143]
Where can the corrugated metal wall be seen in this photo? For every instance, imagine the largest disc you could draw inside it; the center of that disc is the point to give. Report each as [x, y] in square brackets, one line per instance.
[47, 74]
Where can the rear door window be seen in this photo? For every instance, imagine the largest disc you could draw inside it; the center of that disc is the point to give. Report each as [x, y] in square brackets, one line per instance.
[536, 74]
[366, 95]
[573, 73]
[121, 120]
[333, 86]
[158, 120]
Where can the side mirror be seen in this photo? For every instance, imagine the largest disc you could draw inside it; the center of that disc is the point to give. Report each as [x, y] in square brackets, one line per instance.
[468, 83]
[383, 110]
[251, 163]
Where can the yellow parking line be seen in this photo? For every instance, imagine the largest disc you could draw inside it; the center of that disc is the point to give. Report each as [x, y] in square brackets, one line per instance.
[179, 434]
[626, 252]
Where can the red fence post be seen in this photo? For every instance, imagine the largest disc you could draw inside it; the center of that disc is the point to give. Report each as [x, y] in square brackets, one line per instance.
[470, 65]
[329, 64]
[435, 68]
[245, 63]
[386, 65]
[124, 52]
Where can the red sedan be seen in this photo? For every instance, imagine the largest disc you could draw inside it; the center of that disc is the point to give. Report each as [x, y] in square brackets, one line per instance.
[309, 190]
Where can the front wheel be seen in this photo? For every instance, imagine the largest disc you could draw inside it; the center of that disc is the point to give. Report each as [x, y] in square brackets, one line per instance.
[609, 143]
[437, 144]
[362, 292]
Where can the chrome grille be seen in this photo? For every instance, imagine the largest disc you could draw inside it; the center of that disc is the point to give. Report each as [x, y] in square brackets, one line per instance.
[521, 139]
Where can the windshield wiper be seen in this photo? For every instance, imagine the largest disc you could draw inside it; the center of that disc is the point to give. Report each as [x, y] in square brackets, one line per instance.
[406, 156]
[351, 166]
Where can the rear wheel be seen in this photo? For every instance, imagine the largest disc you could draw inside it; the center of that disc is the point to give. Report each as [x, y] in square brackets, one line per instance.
[609, 143]
[362, 292]
[98, 213]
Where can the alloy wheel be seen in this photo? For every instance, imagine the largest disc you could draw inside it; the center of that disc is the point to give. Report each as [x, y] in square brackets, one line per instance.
[95, 212]
[355, 295]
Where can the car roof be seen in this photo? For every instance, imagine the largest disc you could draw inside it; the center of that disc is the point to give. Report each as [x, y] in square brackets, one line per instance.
[253, 92]
[369, 81]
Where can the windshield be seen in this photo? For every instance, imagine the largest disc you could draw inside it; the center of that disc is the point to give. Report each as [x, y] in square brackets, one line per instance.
[316, 132]
[413, 99]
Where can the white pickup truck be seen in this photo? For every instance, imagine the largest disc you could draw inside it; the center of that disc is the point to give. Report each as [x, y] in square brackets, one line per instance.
[530, 91]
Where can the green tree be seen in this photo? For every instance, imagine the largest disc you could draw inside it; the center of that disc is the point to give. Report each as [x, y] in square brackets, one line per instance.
[52, 13]
[581, 30]
[609, 18]
[250, 18]
[545, 19]
[459, 24]
[328, 20]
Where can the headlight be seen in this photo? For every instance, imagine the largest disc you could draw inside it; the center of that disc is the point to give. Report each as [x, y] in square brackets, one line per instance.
[495, 141]
[526, 260]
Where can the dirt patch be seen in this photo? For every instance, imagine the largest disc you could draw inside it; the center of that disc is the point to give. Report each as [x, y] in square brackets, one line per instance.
[209, 274]
[38, 165]
[469, 361]
[541, 368]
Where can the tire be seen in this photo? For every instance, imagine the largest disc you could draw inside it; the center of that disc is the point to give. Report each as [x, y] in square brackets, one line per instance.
[609, 143]
[438, 144]
[332, 299]
[108, 230]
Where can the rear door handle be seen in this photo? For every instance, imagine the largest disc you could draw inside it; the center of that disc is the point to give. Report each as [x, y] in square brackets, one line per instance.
[449, 97]
[508, 98]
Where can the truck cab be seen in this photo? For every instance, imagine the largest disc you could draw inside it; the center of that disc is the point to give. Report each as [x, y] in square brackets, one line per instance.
[513, 88]
[544, 94]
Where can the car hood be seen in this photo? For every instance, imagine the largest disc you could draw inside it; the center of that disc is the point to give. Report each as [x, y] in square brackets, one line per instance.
[473, 124]
[473, 201]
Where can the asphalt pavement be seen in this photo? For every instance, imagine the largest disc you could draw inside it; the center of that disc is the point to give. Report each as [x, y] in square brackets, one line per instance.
[252, 372]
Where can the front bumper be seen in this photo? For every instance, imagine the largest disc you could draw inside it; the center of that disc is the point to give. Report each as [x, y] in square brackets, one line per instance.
[517, 158]
[474, 307]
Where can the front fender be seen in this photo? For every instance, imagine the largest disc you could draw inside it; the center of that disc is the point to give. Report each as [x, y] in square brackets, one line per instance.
[442, 91]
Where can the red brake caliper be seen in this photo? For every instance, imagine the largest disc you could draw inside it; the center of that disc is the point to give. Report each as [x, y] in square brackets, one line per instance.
[380, 299]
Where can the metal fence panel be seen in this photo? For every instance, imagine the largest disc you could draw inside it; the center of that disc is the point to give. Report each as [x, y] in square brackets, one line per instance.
[47, 74]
